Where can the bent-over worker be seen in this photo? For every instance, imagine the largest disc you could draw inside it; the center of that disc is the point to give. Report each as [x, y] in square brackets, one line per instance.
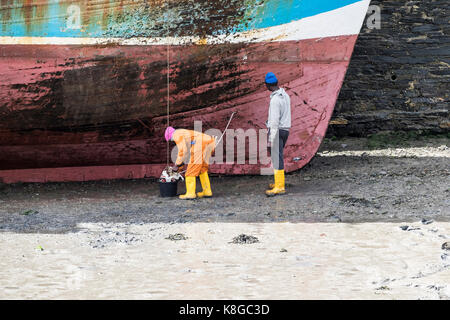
[279, 124]
[199, 147]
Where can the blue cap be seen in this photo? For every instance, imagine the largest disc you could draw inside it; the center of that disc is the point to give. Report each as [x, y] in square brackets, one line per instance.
[271, 78]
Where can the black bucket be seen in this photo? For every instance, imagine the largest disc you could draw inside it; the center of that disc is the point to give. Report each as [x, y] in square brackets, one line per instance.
[168, 189]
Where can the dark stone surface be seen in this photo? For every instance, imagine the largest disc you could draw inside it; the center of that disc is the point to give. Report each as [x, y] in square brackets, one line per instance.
[399, 76]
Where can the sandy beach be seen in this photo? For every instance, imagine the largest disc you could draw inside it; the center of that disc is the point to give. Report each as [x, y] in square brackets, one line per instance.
[290, 261]
[356, 223]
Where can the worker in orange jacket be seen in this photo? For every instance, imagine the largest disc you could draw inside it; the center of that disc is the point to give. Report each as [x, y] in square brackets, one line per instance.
[199, 147]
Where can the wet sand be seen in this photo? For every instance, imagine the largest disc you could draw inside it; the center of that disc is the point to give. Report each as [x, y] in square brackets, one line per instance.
[336, 234]
[290, 261]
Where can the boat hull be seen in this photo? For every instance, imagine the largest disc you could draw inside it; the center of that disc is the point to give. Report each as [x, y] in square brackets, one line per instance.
[78, 112]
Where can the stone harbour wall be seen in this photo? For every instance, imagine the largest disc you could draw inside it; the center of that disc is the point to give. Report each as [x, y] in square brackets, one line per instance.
[399, 75]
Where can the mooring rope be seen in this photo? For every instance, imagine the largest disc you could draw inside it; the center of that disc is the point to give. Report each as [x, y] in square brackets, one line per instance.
[168, 78]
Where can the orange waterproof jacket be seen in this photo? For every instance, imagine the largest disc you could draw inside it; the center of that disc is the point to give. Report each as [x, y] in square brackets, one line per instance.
[190, 140]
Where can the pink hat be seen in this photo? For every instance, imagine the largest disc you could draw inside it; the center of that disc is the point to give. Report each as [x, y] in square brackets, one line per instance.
[169, 133]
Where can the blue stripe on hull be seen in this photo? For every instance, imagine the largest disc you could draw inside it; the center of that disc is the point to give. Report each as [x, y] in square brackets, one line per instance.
[280, 12]
[52, 18]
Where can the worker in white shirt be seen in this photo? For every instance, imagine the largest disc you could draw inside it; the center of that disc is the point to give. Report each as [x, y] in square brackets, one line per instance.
[279, 124]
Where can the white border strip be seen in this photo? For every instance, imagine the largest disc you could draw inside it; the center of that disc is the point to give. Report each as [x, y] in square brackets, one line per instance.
[343, 21]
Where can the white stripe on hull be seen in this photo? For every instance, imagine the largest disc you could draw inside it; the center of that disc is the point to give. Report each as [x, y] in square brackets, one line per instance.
[343, 21]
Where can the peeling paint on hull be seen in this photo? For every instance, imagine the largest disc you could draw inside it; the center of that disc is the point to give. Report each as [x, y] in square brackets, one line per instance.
[88, 112]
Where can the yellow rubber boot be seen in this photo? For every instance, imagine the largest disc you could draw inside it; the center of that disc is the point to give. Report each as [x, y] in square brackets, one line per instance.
[190, 189]
[279, 184]
[206, 185]
[272, 185]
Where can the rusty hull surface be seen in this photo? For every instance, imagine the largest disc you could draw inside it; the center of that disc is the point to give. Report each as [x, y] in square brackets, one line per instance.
[76, 113]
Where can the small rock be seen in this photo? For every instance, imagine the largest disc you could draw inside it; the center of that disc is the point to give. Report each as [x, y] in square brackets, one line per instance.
[177, 237]
[408, 228]
[245, 239]
[446, 246]
[29, 212]
[426, 221]
[383, 288]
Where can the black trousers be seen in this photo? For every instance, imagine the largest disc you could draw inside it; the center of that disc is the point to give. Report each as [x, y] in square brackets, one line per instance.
[276, 150]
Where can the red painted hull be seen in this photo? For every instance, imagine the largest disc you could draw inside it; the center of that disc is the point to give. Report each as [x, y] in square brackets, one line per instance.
[72, 113]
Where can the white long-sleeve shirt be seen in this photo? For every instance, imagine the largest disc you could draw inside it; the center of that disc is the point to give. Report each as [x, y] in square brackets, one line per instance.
[279, 113]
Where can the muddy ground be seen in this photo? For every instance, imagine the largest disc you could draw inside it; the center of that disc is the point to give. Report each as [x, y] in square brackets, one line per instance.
[349, 180]
[366, 219]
